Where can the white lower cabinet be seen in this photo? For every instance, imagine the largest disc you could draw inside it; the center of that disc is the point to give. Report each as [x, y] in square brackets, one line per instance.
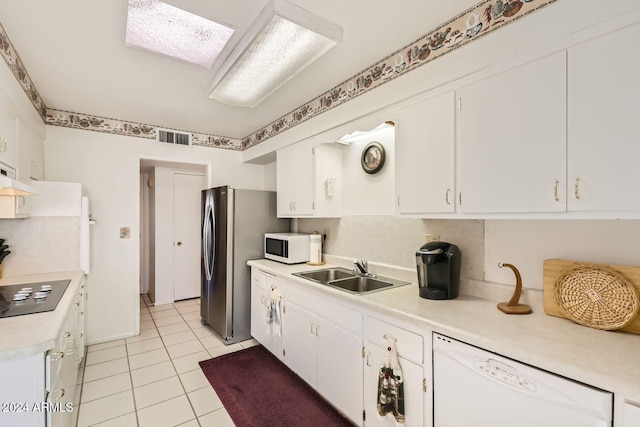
[269, 335]
[42, 388]
[64, 361]
[327, 354]
[630, 415]
[409, 346]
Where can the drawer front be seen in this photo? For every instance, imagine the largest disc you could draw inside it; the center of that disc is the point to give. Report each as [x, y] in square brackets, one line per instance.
[409, 344]
[346, 317]
[258, 278]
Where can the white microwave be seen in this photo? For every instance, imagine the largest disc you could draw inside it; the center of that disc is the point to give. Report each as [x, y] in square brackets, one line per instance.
[289, 248]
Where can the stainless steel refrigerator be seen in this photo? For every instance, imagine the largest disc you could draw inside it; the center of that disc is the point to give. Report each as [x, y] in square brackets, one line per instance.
[233, 225]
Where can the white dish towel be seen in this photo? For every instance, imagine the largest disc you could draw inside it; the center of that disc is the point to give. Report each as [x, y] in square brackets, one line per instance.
[274, 312]
[390, 397]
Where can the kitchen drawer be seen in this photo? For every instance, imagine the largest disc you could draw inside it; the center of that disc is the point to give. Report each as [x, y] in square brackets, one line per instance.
[258, 278]
[409, 344]
[346, 317]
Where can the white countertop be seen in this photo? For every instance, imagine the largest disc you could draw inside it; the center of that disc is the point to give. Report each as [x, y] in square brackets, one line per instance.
[29, 334]
[603, 359]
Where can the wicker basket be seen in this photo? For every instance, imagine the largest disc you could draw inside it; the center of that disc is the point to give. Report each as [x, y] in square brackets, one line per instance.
[597, 297]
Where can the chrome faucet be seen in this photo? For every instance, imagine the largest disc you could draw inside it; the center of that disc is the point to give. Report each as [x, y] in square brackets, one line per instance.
[360, 267]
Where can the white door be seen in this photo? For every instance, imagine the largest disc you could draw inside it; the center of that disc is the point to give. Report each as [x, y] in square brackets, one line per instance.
[186, 249]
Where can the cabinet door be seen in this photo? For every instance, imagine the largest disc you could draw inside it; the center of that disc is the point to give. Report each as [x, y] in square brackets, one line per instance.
[413, 389]
[299, 342]
[631, 417]
[603, 99]
[8, 132]
[339, 359]
[513, 140]
[425, 143]
[31, 153]
[259, 307]
[295, 181]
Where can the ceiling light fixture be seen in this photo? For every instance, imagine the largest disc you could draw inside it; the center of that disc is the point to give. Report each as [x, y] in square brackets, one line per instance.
[161, 28]
[283, 41]
[360, 135]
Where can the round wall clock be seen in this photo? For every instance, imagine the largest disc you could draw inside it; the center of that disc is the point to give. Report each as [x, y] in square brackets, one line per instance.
[373, 157]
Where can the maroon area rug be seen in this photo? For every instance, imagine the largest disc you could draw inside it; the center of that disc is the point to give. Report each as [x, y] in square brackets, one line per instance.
[257, 390]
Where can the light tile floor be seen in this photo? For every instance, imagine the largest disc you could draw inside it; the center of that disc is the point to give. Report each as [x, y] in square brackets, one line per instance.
[154, 379]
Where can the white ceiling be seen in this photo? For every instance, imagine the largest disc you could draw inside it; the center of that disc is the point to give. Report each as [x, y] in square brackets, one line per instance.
[74, 52]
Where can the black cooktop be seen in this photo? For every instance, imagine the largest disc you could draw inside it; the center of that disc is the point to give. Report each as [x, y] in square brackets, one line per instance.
[29, 298]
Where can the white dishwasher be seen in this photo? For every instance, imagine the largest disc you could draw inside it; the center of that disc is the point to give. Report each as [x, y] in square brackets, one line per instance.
[473, 387]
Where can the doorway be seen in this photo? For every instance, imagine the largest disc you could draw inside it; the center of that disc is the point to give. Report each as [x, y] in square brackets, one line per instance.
[169, 229]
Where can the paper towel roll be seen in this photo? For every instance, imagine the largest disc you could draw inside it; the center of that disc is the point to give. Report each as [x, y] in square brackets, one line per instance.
[315, 248]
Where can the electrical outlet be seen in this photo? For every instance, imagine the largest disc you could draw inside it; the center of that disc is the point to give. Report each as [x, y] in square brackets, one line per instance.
[431, 238]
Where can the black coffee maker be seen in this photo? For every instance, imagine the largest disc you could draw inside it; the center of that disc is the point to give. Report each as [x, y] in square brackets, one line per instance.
[438, 265]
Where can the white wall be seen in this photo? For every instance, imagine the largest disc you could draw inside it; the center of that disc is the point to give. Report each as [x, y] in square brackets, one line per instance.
[523, 243]
[394, 241]
[526, 244]
[109, 170]
[369, 194]
[163, 233]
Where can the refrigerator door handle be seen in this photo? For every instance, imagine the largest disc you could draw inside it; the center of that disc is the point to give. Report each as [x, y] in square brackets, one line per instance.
[206, 231]
[213, 243]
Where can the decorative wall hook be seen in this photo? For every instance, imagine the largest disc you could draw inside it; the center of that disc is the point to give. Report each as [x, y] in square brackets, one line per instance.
[512, 307]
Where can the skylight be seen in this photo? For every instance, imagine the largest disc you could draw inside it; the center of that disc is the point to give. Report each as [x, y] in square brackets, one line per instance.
[159, 27]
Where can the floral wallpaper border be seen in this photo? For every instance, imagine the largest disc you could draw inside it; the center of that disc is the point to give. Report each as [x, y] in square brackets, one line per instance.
[140, 130]
[475, 22]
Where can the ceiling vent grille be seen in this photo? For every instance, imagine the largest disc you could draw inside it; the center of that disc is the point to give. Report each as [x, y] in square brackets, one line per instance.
[167, 136]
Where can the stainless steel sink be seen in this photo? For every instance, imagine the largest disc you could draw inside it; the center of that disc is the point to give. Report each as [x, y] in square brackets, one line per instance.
[348, 281]
[327, 274]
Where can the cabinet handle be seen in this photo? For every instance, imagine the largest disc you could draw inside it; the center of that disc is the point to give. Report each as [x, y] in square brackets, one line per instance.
[294, 205]
[460, 198]
[317, 329]
[57, 356]
[66, 335]
[576, 188]
[367, 359]
[555, 191]
[424, 385]
[73, 348]
[446, 196]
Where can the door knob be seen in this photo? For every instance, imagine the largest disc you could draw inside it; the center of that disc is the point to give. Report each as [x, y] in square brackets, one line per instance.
[179, 243]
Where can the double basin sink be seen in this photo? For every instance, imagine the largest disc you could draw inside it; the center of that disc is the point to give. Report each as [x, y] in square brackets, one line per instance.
[348, 281]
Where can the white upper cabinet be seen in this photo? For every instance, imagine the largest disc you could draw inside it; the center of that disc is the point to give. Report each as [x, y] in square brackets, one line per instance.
[294, 170]
[425, 143]
[603, 142]
[512, 144]
[31, 153]
[309, 180]
[8, 133]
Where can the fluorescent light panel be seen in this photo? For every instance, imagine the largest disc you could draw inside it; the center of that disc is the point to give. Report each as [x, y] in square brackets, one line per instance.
[161, 28]
[280, 45]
